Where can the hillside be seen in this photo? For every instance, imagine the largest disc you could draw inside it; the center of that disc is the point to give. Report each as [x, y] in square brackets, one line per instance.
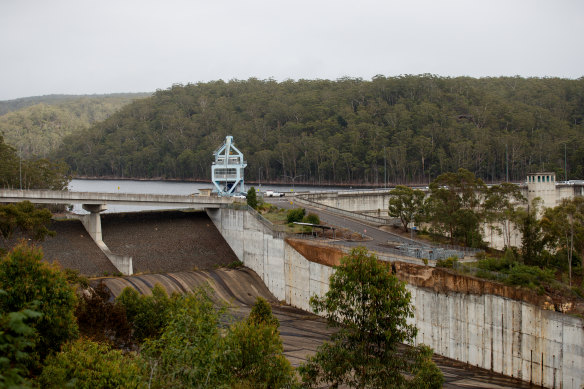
[36, 126]
[399, 129]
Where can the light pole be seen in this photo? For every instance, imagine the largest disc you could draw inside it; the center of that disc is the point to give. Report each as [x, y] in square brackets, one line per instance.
[294, 178]
[260, 177]
[20, 166]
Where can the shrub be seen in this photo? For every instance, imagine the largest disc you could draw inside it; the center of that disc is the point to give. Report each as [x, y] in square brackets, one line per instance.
[86, 364]
[101, 319]
[147, 314]
[261, 313]
[295, 215]
[450, 262]
[311, 218]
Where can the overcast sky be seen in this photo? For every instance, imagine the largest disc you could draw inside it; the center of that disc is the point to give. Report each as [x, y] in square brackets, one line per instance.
[103, 46]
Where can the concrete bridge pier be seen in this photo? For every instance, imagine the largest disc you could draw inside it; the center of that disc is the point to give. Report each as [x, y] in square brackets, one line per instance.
[92, 224]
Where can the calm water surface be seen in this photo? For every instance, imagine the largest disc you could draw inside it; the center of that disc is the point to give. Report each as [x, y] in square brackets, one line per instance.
[162, 187]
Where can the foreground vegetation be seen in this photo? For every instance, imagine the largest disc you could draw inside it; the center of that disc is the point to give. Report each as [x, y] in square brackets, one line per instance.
[53, 337]
[400, 129]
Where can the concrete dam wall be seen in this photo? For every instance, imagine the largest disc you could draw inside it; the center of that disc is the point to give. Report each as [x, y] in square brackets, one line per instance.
[474, 321]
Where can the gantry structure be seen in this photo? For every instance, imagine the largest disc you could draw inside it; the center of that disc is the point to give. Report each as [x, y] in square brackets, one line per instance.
[227, 169]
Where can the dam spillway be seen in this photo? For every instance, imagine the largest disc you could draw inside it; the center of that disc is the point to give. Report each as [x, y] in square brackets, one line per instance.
[160, 241]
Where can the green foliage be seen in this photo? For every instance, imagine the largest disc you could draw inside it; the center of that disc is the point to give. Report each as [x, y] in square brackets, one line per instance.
[295, 215]
[426, 374]
[85, 364]
[30, 174]
[343, 130]
[235, 264]
[37, 126]
[27, 280]
[563, 227]
[254, 357]
[187, 353]
[532, 241]
[529, 276]
[16, 340]
[31, 221]
[147, 314]
[454, 206]
[449, 262]
[370, 307]
[311, 218]
[406, 204]
[252, 199]
[261, 313]
[194, 352]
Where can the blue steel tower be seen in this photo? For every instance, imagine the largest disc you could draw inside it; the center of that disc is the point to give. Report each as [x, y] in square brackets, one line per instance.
[227, 170]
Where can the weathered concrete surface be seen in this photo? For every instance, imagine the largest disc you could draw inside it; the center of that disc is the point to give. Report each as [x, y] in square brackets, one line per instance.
[485, 324]
[478, 322]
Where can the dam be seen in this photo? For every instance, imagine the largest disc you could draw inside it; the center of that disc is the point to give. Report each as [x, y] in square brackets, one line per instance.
[481, 324]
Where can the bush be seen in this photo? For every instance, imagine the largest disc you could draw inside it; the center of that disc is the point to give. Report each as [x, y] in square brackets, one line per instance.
[102, 320]
[529, 276]
[28, 281]
[311, 218]
[295, 215]
[450, 262]
[147, 314]
[193, 351]
[86, 364]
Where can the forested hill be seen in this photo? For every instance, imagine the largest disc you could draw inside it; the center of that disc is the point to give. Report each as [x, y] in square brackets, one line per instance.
[35, 126]
[344, 131]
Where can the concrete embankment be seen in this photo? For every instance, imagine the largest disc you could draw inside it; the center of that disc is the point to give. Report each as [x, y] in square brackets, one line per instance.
[157, 241]
[478, 322]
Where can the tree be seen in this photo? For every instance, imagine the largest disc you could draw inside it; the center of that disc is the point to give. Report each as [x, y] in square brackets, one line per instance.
[254, 351]
[26, 218]
[16, 339]
[148, 315]
[370, 307]
[532, 240]
[500, 207]
[27, 281]
[193, 350]
[454, 206]
[564, 228]
[406, 203]
[86, 364]
[252, 199]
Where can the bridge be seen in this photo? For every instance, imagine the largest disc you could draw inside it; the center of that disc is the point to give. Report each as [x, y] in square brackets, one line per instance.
[95, 203]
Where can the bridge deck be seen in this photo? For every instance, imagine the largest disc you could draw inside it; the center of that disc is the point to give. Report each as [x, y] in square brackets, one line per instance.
[64, 197]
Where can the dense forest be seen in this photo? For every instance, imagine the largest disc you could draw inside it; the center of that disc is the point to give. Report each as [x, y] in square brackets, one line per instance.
[406, 129]
[35, 126]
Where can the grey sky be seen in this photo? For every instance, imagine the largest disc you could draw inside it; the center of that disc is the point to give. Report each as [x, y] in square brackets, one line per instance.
[107, 46]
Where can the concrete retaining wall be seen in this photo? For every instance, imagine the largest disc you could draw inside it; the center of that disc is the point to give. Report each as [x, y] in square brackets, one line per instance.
[366, 201]
[489, 331]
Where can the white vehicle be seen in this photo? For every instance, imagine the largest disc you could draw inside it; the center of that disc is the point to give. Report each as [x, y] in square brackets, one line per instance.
[271, 193]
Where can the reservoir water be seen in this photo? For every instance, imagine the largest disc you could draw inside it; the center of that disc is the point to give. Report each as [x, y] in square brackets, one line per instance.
[164, 187]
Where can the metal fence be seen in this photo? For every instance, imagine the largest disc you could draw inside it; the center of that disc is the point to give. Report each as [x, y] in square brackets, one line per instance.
[349, 214]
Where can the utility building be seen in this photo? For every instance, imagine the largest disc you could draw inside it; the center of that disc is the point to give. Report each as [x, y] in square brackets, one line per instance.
[227, 169]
